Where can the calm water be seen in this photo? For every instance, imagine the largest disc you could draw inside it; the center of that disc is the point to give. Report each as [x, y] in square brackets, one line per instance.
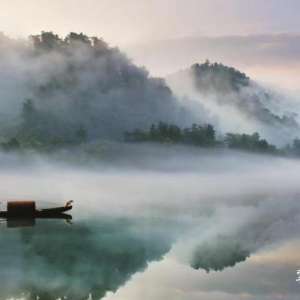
[154, 235]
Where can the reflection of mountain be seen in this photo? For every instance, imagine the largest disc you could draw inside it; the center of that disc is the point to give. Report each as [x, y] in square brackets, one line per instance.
[220, 254]
[54, 260]
[269, 221]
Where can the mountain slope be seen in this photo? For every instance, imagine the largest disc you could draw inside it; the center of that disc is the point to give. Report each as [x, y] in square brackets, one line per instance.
[80, 81]
[231, 94]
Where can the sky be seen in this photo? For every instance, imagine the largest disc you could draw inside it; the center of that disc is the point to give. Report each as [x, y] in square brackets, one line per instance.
[133, 21]
[271, 58]
[138, 26]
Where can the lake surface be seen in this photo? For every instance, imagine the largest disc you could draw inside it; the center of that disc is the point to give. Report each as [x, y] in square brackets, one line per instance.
[135, 235]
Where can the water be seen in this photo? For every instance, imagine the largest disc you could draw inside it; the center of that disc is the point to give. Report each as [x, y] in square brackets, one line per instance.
[139, 234]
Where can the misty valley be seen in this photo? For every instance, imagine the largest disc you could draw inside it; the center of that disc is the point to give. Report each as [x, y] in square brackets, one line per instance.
[184, 187]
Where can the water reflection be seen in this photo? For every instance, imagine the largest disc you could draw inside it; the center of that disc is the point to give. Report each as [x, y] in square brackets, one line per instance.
[52, 260]
[101, 255]
[268, 274]
[222, 253]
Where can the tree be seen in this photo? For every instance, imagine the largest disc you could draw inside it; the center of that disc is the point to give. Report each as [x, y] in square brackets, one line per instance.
[153, 133]
[249, 143]
[77, 39]
[199, 135]
[46, 41]
[82, 134]
[296, 146]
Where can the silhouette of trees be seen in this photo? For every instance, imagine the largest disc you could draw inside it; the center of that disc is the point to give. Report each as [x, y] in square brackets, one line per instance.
[248, 142]
[82, 134]
[199, 135]
[218, 78]
[202, 136]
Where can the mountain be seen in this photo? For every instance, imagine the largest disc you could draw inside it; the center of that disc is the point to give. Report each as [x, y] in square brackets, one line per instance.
[58, 92]
[231, 93]
[78, 82]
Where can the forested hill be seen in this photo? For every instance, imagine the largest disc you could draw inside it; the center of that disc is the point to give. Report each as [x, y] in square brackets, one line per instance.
[77, 84]
[218, 78]
[226, 86]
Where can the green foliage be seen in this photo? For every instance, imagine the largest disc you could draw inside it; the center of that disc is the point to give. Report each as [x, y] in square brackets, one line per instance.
[294, 149]
[46, 41]
[203, 136]
[199, 135]
[218, 78]
[248, 142]
[33, 124]
[75, 39]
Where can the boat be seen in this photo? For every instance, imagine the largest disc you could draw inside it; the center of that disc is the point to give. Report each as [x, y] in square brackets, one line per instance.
[27, 209]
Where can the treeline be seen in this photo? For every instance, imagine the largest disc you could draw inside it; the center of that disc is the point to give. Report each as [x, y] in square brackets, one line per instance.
[205, 136]
[34, 133]
[199, 135]
[32, 137]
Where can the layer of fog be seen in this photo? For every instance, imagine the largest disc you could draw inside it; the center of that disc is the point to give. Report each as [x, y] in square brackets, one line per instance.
[207, 210]
[201, 186]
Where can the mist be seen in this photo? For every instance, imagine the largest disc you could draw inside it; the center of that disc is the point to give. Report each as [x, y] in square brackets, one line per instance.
[209, 211]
